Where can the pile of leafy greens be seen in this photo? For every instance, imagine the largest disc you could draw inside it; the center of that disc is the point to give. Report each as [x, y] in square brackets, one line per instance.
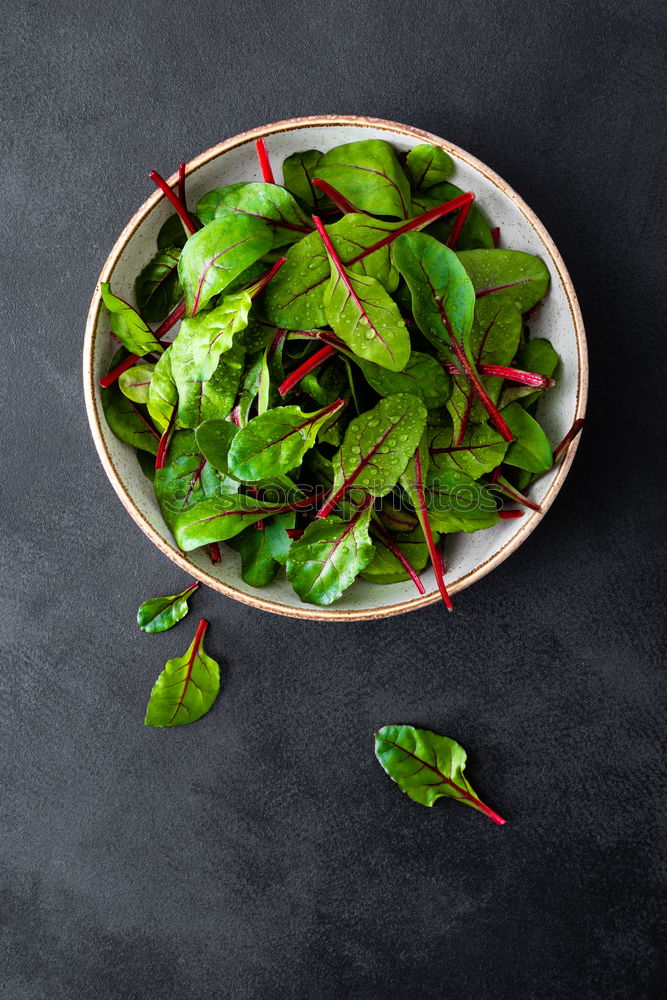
[352, 379]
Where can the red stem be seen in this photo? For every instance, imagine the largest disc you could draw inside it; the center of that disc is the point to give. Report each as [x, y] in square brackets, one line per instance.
[339, 200]
[459, 223]
[315, 361]
[573, 432]
[163, 447]
[214, 553]
[166, 325]
[508, 515]
[395, 551]
[495, 236]
[188, 222]
[514, 494]
[295, 532]
[264, 162]
[533, 379]
[428, 534]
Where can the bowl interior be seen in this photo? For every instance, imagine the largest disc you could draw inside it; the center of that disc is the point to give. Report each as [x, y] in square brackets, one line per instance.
[558, 319]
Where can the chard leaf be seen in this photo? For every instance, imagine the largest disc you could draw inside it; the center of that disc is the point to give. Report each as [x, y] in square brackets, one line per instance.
[298, 172]
[368, 174]
[328, 557]
[386, 568]
[219, 518]
[157, 288]
[162, 392]
[205, 337]
[200, 399]
[481, 450]
[213, 257]
[263, 552]
[171, 234]
[128, 422]
[208, 205]
[535, 356]
[276, 441]
[427, 767]
[127, 324]
[455, 502]
[186, 688]
[476, 232]
[377, 446]
[267, 202]
[161, 613]
[135, 382]
[510, 276]
[214, 438]
[428, 165]
[423, 376]
[531, 449]
[186, 478]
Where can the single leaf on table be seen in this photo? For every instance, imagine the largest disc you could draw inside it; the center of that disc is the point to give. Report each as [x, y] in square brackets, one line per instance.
[171, 234]
[214, 397]
[128, 422]
[511, 276]
[531, 449]
[263, 552]
[205, 337]
[162, 392]
[428, 165]
[535, 356]
[427, 767]
[157, 288]
[213, 257]
[369, 175]
[221, 517]
[126, 323]
[329, 556]
[387, 568]
[135, 382]
[161, 613]
[423, 376]
[476, 232]
[186, 688]
[269, 203]
[186, 478]
[456, 502]
[482, 449]
[376, 448]
[276, 441]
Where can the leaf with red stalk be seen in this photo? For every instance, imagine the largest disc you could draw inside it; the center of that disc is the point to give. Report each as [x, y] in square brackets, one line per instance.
[189, 223]
[161, 613]
[511, 276]
[395, 549]
[427, 767]
[369, 174]
[478, 453]
[221, 517]
[214, 553]
[127, 325]
[339, 200]
[264, 162]
[503, 486]
[412, 482]
[443, 303]
[459, 222]
[186, 688]
[571, 435]
[128, 423]
[269, 203]
[363, 314]
[174, 316]
[306, 367]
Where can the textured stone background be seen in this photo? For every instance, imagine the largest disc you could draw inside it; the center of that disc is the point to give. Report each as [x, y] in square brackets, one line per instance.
[263, 854]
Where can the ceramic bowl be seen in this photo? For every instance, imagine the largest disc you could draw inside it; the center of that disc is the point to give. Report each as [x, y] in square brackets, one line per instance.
[469, 557]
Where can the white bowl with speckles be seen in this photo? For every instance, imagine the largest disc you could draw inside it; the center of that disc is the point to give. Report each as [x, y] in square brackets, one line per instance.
[469, 557]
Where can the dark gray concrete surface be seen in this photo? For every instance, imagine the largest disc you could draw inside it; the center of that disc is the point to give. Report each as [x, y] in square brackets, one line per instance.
[262, 854]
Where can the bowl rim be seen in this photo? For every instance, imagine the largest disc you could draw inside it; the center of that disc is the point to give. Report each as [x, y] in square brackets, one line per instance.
[258, 601]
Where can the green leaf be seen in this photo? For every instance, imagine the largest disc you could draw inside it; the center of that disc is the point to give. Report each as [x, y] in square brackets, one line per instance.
[386, 568]
[128, 422]
[263, 552]
[127, 324]
[476, 233]
[511, 276]
[186, 688]
[161, 613]
[172, 234]
[219, 518]
[531, 449]
[456, 502]
[207, 206]
[214, 438]
[276, 441]
[367, 319]
[378, 444]
[200, 400]
[427, 767]
[428, 165]
[186, 478]
[157, 288]
[423, 376]
[481, 450]
[535, 356]
[205, 337]
[298, 172]
[368, 174]
[328, 557]
[213, 257]
[135, 382]
[267, 202]
[162, 392]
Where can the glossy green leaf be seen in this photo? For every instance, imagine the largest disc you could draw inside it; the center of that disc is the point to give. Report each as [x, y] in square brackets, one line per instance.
[327, 558]
[476, 233]
[162, 392]
[127, 324]
[172, 234]
[205, 337]
[214, 438]
[481, 450]
[428, 165]
[276, 441]
[186, 478]
[200, 400]
[269, 203]
[128, 422]
[263, 551]
[186, 688]
[217, 254]
[386, 568]
[298, 172]
[511, 276]
[367, 319]
[157, 288]
[207, 206]
[535, 356]
[427, 767]
[456, 502]
[135, 382]
[219, 518]
[368, 174]
[161, 613]
[423, 376]
[531, 449]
